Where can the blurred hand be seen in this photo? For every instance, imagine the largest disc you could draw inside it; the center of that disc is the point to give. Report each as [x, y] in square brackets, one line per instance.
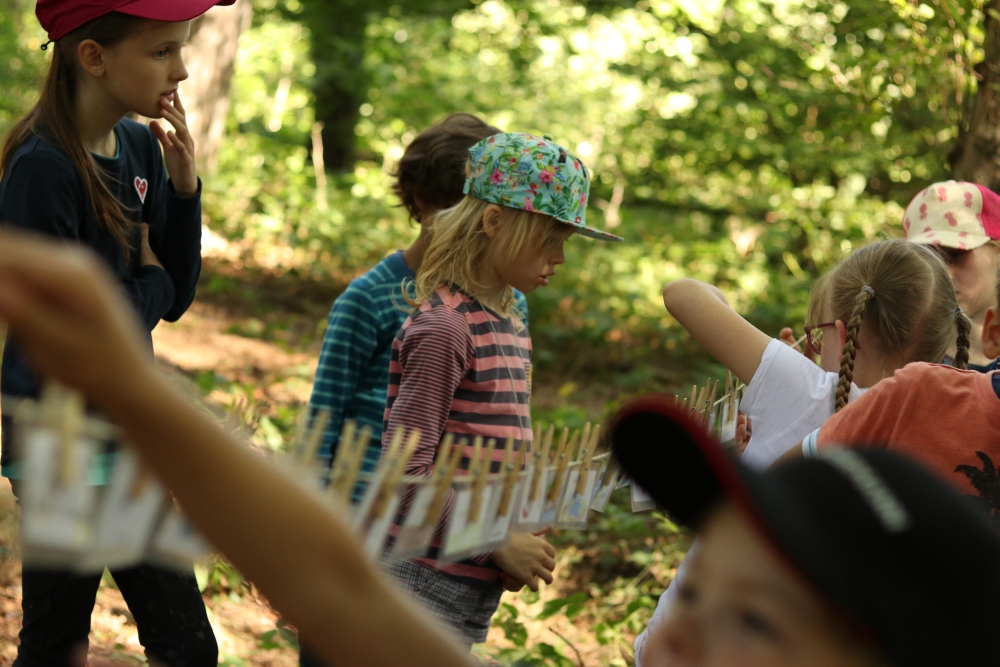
[743, 432]
[147, 257]
[787, 336]
[70, 318]
[526, 560]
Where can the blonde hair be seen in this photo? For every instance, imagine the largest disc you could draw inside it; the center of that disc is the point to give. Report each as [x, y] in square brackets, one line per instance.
[903, 295]
[460, 248]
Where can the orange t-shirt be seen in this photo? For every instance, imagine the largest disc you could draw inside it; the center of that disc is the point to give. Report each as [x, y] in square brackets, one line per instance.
[947, 419]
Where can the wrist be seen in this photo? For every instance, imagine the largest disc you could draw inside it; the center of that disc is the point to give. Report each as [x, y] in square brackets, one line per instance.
[186, 188]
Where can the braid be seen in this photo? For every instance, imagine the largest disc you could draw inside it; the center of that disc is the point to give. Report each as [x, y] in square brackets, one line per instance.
[851, 348]
[964, 328]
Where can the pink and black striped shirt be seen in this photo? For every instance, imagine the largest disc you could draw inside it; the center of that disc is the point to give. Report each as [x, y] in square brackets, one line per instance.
[458, 367]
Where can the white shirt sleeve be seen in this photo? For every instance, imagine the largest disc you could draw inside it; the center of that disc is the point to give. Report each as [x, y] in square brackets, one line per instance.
[788, 398]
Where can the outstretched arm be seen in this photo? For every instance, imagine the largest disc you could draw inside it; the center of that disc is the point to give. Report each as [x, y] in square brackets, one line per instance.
[702, 309]
[301, 554]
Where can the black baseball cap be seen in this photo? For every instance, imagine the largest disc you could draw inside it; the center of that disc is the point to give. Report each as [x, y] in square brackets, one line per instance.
[912, 562]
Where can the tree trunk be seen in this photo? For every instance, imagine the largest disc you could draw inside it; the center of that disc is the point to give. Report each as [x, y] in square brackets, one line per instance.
[340, 84]
[210, 58]
[976, 155]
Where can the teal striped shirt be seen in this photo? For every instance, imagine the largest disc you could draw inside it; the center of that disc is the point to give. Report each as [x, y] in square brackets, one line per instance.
[352, 378]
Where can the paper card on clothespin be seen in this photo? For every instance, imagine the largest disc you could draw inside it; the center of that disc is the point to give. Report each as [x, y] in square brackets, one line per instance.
[553, 496]
[176, 543]
[608, 479]
[429, 500]
[537, 481]
[465, 532]
[580, 484]
[382, 492]
[128, 512]
[361, 511]
[641, 500]
[730, 413]
[58, 501]
[378, 529]
[481, 474]
[501, 515]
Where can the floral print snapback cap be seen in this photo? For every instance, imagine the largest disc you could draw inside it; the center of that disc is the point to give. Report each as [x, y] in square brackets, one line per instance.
[535, 174]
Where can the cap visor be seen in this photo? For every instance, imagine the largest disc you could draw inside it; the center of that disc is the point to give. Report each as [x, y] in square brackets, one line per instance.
[592, 233]
[172, 11]
[949, 239]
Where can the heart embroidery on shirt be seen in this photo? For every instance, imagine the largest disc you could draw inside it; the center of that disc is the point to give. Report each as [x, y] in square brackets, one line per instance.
[141, 185]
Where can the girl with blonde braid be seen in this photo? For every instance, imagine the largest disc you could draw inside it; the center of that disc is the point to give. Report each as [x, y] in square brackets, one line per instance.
[884, 306]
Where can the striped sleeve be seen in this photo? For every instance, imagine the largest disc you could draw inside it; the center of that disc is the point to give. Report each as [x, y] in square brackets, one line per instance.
[349, 342]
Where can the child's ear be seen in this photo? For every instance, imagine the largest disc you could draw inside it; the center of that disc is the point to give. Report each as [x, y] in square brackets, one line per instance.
[492, 217]
[91, 56]
[841, 333]
[991, 333]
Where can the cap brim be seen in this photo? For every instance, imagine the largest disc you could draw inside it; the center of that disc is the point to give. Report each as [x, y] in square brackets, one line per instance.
[172, 11]
[949, 239]
[592, 233]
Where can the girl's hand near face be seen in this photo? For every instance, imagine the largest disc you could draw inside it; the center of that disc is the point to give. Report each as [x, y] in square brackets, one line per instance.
[178, 147]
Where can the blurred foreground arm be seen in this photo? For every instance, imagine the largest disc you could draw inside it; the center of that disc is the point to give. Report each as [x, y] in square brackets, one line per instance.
[70, 320]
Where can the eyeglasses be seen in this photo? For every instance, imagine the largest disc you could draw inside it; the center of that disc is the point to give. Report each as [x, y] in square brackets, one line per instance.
[814, 335]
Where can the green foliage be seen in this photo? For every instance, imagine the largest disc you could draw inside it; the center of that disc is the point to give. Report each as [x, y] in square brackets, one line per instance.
[748, 144]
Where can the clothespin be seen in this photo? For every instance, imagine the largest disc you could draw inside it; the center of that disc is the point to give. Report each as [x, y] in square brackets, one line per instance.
[352, 466]
[588, 459]
[710, 403]
[562, 459]
[311, 444]
[693, 404]
[482, 474]
[444, 482]
[512, 472]
[541, 462]
[396, 466]
[65, 408]
[345, 445]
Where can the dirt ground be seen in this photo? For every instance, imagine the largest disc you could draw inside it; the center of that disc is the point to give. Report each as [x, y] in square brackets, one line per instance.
[265, 339]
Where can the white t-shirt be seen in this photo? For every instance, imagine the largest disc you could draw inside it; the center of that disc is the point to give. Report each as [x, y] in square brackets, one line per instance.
[788, 398]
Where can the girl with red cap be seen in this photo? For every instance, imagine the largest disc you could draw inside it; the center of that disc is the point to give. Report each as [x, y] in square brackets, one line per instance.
[75, 168]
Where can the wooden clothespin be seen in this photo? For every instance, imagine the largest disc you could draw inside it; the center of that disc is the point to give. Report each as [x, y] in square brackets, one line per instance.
[394, 471]
[562, 460]
[66, 409]
[352, 466]
[512, 472]
[482, 474]
[311, 444]
[694, 398]
[454, 457]
[588, 459]
[345, 445]
[541, 462]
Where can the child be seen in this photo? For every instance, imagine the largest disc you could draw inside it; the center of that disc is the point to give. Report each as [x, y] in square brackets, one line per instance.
[901, 413]
[961, 221]
[76, 169]
[883, 306]
[461, 364]
[914, 316]
[776, 583]
[353, 372]
[852, 559]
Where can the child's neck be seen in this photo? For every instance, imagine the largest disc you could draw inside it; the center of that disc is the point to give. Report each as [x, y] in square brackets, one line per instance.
[96, 117]
[414, 255]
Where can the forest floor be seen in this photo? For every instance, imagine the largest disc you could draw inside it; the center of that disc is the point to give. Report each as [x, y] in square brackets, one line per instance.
[254, 342]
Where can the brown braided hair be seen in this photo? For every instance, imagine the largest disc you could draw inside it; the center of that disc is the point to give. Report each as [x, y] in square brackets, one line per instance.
[909, 314]
[861, 302]
[964, 328]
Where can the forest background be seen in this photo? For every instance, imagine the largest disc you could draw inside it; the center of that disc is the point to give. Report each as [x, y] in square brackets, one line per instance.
[747, 143]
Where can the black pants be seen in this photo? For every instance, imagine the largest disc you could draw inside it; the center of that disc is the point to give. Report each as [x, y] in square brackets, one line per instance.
[167, 606]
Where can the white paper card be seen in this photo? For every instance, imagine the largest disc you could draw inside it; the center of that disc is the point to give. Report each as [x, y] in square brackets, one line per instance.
[641, 501]
[414, 538]
[465, 536]
[375, 538]
[177, 543]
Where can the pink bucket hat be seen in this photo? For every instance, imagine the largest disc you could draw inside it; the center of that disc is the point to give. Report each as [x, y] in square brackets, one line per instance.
[953, 214]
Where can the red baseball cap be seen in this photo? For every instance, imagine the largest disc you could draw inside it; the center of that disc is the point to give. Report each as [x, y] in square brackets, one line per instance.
[61, 17]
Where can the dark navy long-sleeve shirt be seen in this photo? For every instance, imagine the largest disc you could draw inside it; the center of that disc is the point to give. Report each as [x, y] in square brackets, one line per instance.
[42, 191]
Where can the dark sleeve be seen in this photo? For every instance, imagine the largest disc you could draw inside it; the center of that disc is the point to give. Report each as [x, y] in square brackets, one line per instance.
[175, 237]
[151, 292]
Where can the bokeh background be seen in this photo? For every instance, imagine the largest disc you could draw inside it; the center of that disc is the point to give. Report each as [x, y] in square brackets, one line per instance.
[747, 143]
